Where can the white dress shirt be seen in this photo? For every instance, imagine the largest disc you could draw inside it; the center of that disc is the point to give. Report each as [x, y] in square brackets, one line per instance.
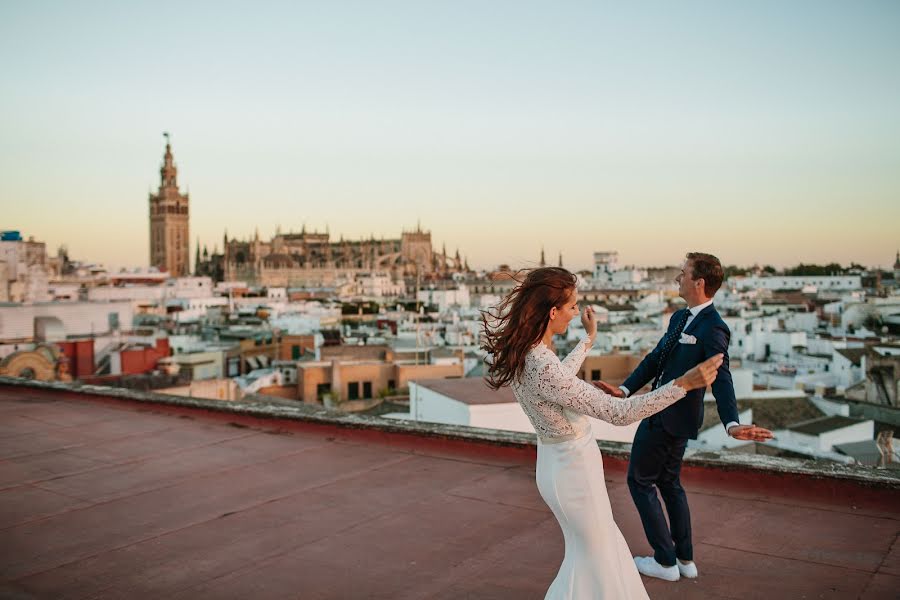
[694, 312]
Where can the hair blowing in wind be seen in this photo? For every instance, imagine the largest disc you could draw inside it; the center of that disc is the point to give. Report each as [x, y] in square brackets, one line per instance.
[515, 325]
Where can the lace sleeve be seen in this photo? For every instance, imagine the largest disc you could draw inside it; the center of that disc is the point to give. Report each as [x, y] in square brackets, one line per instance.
[555, 385]
[573, 361]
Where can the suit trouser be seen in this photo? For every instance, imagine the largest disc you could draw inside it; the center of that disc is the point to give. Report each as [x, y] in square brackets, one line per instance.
[655, 463]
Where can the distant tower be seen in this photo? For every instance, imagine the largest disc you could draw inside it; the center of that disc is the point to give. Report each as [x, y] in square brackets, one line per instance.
[897, 266]
[605, 264]
[543, 262]
[169, 241]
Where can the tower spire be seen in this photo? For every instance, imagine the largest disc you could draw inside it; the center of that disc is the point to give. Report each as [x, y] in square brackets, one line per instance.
[168, 173]
[169, 220]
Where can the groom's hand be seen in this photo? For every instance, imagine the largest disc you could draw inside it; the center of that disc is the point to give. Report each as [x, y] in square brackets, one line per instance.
[612, 391]
[750, 433]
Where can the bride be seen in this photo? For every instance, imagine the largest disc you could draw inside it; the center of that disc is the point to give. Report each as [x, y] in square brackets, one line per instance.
[518, 335]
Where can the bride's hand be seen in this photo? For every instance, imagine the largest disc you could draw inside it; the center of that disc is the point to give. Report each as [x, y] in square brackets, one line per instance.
[589, 321]
[702, 375]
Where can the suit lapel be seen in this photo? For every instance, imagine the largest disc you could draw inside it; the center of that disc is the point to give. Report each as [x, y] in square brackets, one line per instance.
[703, 314]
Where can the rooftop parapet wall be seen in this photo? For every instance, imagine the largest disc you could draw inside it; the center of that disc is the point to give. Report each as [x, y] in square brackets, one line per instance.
[824, 472]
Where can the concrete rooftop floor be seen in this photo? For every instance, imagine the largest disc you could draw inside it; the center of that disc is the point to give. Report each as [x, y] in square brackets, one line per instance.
[106, 498]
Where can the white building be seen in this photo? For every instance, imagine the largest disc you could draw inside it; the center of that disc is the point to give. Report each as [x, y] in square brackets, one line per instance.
[23, 269]
[142, 294]
[445, 299]
[61, 291]
[300, 318]
[189, 287]
[18, 322]
[627, 277]
[471, 403]
[810, 283]
[186, 310]
[379, 284]
[818, 437]
[605, 264]
[805, 321]
[225, 287]
[179, 287]
[848, 366]
[488, 300]
[856, 313]
[209, 364]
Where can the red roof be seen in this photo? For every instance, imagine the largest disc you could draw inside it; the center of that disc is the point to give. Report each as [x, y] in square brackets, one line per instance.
[105, 497]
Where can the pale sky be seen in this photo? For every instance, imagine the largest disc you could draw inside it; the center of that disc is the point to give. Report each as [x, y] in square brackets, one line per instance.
[764, 132]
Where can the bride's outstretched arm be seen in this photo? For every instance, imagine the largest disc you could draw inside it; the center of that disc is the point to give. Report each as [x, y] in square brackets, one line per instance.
[556, 385]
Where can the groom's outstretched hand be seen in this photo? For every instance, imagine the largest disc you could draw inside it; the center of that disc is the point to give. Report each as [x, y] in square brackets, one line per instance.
[611, 390]
[750, 433]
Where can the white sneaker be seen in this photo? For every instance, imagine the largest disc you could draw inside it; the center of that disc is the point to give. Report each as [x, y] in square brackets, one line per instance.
[647, 565]
[688, 570]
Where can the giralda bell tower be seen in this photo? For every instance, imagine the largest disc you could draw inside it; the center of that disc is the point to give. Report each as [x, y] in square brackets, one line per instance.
[169, 237]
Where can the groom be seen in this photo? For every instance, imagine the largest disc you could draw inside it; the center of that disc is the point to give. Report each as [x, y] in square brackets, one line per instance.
[695, 333]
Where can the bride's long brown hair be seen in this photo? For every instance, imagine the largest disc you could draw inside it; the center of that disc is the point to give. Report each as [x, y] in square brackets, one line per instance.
[515, 325]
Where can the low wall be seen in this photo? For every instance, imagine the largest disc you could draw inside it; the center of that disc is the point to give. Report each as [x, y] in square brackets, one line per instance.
[819, 477]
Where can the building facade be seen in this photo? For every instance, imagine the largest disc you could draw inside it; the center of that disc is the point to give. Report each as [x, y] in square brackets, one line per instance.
[24, 269]
[169, 216]
[313, 258]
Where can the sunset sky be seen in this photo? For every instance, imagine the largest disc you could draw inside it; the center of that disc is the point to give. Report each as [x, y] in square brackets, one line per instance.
[764, 132]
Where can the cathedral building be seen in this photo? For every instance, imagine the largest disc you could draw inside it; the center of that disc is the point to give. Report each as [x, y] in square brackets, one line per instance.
[314, 259]
[169, 241]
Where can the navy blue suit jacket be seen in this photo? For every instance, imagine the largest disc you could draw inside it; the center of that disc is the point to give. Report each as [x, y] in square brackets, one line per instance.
[684, 418]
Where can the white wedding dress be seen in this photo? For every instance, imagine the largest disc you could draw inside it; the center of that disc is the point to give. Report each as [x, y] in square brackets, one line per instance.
[597, 564]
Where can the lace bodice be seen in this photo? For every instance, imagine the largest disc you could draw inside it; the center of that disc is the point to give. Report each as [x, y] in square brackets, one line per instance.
[554, 398]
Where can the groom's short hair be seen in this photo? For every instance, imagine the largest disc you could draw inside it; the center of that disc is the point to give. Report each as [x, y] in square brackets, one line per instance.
[708, 268]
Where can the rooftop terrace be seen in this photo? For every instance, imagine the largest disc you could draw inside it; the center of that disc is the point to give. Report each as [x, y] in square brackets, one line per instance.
[121, 494]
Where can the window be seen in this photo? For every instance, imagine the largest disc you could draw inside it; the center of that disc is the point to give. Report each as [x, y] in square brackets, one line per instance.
[234, 366]
[353, 390]
[322, 389]
[392, 385]
[595, 374]
[367, 389]
[295, 352]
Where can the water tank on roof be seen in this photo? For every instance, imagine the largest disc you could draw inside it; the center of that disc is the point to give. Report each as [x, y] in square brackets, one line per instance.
[10, 236]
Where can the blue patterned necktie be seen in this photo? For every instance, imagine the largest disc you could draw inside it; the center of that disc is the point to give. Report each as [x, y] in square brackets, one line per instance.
[668, 345]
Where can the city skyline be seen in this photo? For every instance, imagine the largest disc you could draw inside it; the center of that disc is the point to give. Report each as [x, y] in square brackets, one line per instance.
[773, 128]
